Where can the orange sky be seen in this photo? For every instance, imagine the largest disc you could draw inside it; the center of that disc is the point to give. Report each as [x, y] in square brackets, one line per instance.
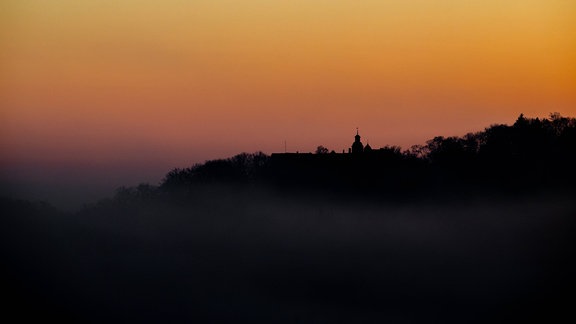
[114, 83]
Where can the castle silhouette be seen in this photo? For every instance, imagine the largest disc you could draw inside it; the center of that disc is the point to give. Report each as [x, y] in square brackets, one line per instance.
[359, 166]
[357, 146]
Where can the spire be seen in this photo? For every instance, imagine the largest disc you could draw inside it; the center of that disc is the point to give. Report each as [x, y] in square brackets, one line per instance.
[357, 146]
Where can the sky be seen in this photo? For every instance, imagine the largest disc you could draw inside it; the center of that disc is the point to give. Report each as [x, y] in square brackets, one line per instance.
[98, 94]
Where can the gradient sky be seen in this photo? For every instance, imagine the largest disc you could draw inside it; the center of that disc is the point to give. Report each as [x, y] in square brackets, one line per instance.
[106, 93]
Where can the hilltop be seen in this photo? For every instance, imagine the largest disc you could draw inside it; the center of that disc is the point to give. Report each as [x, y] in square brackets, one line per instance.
[531, 155]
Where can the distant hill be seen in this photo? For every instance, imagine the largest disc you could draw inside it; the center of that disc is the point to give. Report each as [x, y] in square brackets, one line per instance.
[532, 154]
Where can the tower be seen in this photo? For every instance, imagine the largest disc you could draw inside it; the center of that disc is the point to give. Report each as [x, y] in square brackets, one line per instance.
[357, 146]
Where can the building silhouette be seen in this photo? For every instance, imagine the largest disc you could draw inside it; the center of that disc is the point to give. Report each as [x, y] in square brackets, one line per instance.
[361, 166]
[357, 146]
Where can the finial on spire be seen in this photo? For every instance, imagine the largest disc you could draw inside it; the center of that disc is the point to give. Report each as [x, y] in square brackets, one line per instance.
[357, 131]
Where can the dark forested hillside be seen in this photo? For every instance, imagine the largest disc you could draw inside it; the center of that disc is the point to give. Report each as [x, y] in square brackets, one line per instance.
[472, 229]
[532, 154]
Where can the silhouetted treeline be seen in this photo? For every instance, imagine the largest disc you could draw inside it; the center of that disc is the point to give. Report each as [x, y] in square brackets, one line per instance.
[240, 168]
[532, 154]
